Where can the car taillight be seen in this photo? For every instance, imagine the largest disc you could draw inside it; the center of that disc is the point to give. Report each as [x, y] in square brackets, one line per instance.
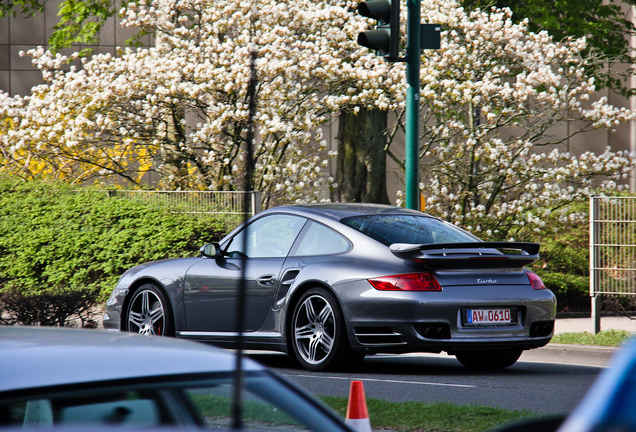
[535, 280]
[407, 282]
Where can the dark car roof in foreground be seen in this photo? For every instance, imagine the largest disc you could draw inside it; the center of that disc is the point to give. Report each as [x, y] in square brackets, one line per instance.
[338, 211]
[39, 356]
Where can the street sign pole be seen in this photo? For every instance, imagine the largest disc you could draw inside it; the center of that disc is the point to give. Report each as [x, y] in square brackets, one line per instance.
[413, 105]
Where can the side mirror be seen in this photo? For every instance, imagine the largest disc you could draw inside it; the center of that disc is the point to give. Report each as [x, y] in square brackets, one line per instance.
[211, 250]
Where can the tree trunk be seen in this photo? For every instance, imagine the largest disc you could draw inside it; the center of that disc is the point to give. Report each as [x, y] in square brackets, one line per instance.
[361, 161]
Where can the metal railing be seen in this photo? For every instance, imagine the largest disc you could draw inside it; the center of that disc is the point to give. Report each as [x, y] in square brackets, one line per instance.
[226, 206]
[612, 249]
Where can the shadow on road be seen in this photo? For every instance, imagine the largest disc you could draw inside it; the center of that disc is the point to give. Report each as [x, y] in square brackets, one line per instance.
[430, 365]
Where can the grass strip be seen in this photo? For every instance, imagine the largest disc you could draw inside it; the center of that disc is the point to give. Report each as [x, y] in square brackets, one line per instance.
[438, 416]
[611, 338]
[217, 411]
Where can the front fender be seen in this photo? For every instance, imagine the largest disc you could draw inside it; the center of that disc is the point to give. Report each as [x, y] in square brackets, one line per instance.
[167, 274]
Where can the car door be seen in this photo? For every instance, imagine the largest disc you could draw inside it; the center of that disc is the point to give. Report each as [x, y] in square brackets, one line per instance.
[211, 285]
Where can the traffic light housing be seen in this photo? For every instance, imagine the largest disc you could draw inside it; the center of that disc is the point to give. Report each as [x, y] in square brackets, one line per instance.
[386, 38]
[430, 36]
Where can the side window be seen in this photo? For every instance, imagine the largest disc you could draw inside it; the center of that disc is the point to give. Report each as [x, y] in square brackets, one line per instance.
[268, 237]
[129, 409]
[320, 240]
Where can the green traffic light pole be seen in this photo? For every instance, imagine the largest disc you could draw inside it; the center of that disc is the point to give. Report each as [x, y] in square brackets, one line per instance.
[386, 40]
[413, 105]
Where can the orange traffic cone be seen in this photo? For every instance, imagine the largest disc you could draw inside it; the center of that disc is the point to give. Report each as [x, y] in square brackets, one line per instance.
[357, 413]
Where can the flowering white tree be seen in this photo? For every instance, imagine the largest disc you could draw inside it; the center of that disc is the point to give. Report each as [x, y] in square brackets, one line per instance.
[492, 97]
[180, 108]
[496, 99]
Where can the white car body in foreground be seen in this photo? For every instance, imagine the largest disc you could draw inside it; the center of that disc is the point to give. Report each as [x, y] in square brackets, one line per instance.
[55, 377]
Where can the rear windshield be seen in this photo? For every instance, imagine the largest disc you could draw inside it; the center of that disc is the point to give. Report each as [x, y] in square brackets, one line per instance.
[412, 229]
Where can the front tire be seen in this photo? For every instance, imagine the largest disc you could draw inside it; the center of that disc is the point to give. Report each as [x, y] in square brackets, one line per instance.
[318, 331]
[148, 312]
[490, 359]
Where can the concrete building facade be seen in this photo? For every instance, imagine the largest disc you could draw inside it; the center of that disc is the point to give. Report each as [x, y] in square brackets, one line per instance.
[21, 33]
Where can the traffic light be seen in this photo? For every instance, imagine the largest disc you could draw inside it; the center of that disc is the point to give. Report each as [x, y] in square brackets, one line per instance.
[386, 38]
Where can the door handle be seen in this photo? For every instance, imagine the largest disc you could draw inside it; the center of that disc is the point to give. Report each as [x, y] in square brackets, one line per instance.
[266, 280]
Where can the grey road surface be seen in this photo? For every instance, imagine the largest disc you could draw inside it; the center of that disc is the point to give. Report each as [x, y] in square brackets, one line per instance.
[549, 388]
[550, 380]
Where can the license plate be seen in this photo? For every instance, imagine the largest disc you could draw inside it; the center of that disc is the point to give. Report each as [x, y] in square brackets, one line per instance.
[489, 316]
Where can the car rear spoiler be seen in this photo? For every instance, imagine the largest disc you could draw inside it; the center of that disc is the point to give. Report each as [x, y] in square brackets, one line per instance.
[474, 255]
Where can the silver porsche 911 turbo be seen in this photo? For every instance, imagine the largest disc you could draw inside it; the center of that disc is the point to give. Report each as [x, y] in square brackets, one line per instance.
[331, 283]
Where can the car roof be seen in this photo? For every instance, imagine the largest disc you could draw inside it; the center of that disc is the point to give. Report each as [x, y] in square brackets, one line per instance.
[43, 356]
[338, 211]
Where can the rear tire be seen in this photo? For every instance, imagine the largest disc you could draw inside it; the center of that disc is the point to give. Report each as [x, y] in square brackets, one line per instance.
[490, 359]
[318, 333]
[148, 312]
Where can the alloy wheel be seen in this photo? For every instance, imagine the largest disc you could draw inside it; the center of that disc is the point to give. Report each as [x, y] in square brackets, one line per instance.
[314, 329]
[146, 313]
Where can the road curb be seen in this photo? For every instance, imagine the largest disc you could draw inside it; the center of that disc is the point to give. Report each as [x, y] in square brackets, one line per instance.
[581, 355]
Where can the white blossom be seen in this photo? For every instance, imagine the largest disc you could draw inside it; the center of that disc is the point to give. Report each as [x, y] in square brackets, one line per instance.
[492, 98]
[180, 109]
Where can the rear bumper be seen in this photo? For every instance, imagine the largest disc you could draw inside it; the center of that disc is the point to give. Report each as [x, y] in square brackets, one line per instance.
[402, 322]
[404, 338]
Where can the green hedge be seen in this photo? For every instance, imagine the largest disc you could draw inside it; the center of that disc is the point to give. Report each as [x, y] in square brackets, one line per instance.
[56, 239]
[57, 243]
[53, 308]
[564, 265]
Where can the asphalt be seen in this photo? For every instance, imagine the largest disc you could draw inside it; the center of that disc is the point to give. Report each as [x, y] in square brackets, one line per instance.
[580, 354]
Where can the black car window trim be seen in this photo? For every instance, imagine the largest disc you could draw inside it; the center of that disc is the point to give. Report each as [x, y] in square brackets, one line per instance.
[294, 250]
